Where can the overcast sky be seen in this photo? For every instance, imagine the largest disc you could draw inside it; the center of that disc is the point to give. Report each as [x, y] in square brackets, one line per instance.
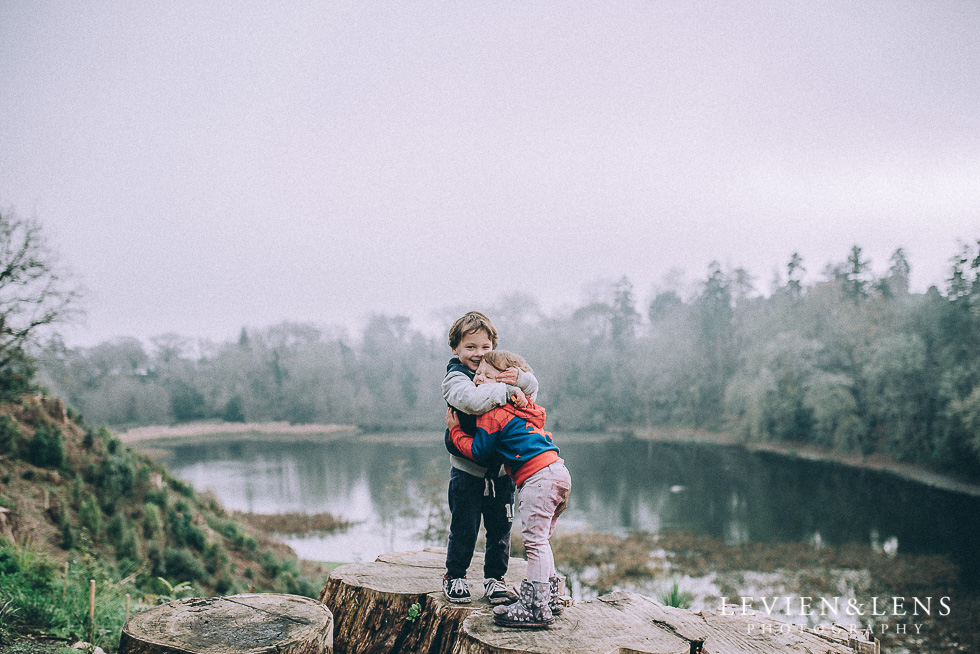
[204, 166]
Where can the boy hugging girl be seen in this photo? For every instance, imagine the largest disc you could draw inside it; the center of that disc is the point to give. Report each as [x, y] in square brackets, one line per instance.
[496, 439]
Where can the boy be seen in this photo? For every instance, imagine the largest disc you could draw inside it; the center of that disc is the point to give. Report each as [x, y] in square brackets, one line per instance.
[476, 491]
[517, 435]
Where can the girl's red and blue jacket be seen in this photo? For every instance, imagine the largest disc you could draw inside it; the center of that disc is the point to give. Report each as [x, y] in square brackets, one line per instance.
[515, 435]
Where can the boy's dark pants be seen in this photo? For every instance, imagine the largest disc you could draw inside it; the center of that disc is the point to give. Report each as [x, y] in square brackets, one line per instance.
[468, 504]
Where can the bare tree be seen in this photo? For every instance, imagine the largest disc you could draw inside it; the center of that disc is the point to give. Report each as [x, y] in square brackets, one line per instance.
[33, 293]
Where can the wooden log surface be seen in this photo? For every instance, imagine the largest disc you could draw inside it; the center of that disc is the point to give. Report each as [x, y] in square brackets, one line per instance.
[371, 604]
[257, 623]
[623, 622]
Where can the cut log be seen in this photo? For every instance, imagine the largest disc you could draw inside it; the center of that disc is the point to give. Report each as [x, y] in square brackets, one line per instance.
[266, 623]
[371, 603]
[623, 622]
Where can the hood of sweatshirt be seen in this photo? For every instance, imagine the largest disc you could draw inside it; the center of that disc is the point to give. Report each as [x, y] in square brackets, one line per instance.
[532, 413]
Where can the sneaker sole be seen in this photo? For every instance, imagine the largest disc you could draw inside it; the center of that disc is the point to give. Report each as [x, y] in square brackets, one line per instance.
[500, 600]
[522, 625]
[458, 600]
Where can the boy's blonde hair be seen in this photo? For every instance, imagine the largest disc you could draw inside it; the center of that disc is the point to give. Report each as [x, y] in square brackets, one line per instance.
[502, 360]
[470, 322]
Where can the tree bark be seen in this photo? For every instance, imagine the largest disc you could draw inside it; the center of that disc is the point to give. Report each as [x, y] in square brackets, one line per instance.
[371, 601]
[267, 623]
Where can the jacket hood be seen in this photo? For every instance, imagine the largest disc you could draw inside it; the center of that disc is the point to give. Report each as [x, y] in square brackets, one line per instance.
[534, 414]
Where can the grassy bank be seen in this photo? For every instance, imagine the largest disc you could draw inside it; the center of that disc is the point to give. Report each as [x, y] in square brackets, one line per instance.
[77, 504]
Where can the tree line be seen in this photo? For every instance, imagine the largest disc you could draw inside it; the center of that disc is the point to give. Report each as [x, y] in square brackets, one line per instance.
[853, 361]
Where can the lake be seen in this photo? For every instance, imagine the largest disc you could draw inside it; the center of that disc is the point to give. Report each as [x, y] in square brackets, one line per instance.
[393, 486]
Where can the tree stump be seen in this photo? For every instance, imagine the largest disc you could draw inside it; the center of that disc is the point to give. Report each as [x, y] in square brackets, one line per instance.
[260, 623]
[628, 623]
[371, 601]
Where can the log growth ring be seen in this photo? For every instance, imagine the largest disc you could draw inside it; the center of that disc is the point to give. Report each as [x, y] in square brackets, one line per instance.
[254, 623]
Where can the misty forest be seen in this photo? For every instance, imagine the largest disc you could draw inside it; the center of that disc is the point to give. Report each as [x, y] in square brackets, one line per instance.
[854, 362]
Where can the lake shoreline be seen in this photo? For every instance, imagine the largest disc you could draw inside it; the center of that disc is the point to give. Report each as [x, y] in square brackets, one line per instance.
[223, 431]
[876, 462]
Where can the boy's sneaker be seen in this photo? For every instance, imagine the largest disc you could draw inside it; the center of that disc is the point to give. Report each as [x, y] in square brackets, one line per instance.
[497, 592]
[455, 589]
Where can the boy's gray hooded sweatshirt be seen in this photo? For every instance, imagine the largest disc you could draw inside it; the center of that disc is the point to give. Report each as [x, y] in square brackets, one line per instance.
[462, 394]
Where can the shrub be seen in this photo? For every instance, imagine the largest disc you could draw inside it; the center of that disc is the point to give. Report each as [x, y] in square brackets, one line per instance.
[67, 531]
[9, 435]
[155, 555]
[229, 529]
[128, 548]
[180, 563]
[8, 564]
[143, 473]
[196, 537]
[224, 584]
[122, 535]
[47, 448]
[75, 416]
[115, 478]
[77, 491]
[295, 583]
[16, 375]
[114, 528]
[182, 530]
[90, 516]
[158, 497]
[271, 564]
[215, 557]
[181, 487]
[36, 567]
[152, 520]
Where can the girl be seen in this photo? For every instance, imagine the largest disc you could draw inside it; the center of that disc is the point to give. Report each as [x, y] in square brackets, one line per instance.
[516, 437]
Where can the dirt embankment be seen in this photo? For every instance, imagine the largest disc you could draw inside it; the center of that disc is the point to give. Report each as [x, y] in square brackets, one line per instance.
[877, 462]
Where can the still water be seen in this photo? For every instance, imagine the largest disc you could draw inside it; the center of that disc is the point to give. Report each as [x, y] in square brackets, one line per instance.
[392, 487]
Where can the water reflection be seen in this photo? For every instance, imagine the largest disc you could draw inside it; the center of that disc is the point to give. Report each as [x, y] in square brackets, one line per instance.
[618, 486]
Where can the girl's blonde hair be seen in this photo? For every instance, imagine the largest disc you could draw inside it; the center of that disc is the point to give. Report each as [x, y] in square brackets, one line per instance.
[502, 360]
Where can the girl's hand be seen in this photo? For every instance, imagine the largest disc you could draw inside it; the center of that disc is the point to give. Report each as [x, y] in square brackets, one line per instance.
[451, 419]
[508, 376]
